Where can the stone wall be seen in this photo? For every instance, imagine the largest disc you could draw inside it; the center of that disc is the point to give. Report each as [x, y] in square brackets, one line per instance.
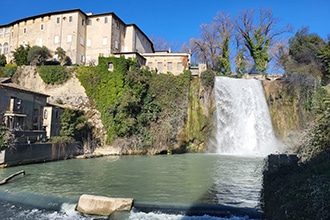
[36, 153]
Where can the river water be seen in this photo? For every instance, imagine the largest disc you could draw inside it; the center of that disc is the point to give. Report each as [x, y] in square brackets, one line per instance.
[170, 185]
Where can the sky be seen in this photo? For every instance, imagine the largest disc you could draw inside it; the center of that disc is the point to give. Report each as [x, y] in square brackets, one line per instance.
[177, 21]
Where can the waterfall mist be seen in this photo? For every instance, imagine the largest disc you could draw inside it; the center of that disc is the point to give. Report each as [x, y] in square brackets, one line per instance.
[242, 120]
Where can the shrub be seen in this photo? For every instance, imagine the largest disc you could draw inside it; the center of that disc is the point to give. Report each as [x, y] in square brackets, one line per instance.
[3, 60]
[8, 70]
[54, 74]
[7, 139]
[38, 55]
[21, 54]
[207, 78]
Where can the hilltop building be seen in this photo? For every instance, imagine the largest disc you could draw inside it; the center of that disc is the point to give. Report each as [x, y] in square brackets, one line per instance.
[86, 36]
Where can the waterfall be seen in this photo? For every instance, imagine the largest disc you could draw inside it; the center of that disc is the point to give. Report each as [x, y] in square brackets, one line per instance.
[243, 123]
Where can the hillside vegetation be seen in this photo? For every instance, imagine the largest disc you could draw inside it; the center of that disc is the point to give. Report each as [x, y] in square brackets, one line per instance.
[142, 112]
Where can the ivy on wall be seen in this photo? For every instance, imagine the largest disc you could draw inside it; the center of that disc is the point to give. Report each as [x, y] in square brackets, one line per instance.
[136, 103]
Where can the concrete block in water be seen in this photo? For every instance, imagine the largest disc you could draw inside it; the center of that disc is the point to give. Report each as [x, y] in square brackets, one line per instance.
[101, 205]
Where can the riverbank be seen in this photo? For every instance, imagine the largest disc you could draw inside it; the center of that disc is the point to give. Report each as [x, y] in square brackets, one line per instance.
[101, 152]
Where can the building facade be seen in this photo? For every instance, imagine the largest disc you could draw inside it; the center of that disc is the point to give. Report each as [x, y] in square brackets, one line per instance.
[20, 108]
[85, 37]
[27, 114]
[167, 62]
[52, 120]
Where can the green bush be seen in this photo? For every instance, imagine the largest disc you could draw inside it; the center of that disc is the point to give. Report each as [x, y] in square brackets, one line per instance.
[54, 74]
[207, 78]
[62, 140]
[3, 60]
[7, 139]
[75, 125]
[38, 55]
[7, 71]
[20, 55]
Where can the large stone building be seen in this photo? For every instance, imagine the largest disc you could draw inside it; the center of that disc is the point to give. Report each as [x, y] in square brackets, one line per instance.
[85, 37]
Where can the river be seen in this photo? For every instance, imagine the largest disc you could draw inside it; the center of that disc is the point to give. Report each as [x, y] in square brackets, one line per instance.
[170, 185]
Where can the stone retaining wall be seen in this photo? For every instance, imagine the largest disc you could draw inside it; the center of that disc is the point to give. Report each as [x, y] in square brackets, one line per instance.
[36, 153]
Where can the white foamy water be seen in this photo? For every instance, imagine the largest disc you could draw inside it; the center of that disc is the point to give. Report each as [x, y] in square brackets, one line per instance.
[243, 122]
[162, 216]
[11, 211]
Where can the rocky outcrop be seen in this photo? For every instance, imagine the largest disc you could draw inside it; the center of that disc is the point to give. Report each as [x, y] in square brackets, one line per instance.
[101, 205]
[69, 94]
[289, 102]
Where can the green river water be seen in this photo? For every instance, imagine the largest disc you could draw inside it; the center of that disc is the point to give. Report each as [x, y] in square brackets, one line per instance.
[184, 179]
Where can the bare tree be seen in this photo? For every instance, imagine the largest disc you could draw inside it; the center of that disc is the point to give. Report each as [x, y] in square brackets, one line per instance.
[160, 44]
[213, 48]
[206, 49]
[185, 48]
[279, 53]
[257, 34]
[224, 27]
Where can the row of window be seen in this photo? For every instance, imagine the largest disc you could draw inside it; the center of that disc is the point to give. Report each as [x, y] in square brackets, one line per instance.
[88, 21]
[82, 41]
[5, 47]
[169, 66]
[4, 32]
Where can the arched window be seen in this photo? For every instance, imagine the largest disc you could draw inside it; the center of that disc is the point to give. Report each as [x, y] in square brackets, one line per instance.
[5, 48]
[0, 49]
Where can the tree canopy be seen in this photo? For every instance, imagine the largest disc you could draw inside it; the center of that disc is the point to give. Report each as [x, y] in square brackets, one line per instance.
[253, 36]
[307, 54]
[21, 55]
[38, 55]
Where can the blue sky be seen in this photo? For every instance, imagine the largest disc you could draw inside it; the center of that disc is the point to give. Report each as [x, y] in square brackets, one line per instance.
[178, 20]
